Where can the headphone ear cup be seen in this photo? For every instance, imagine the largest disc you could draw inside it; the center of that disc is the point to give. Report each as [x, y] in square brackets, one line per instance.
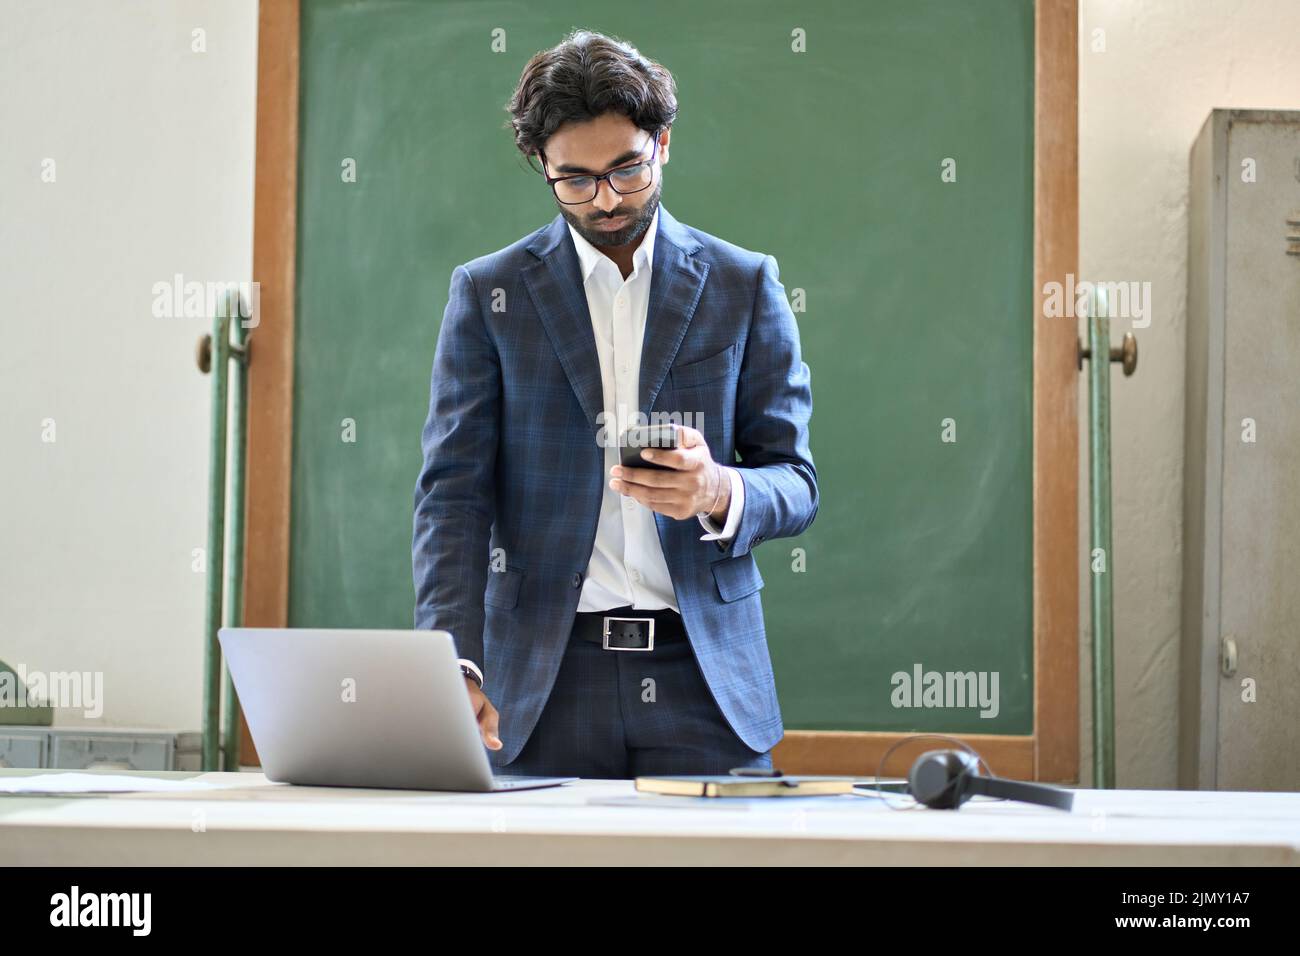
[930, 780]
[937, 779]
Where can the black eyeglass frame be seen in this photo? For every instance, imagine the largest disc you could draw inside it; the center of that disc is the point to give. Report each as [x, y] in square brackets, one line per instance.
[552, 180]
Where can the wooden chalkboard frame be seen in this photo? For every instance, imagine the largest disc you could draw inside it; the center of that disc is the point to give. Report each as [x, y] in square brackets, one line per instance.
[1052, 751]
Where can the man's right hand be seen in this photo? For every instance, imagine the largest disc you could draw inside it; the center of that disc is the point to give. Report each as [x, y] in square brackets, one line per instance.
[485, 714]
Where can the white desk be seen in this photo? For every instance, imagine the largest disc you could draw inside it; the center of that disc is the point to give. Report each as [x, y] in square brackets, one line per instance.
[264, 823]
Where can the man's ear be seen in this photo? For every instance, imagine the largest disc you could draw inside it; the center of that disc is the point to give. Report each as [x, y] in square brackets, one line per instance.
[664, 137]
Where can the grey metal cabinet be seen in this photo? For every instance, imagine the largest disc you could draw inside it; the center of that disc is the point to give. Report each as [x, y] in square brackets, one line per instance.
[107, 749]
[101, 751]
[22, 746]
[1239, 726]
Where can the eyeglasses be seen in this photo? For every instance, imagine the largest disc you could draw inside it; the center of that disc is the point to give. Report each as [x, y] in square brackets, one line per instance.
[574, 190]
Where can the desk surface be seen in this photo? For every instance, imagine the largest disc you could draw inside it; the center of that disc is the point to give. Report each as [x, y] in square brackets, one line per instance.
[258, 822]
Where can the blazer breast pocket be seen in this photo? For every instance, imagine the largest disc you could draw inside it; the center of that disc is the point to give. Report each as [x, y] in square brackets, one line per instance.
[705, 370]
[736, 577]
[503, 588]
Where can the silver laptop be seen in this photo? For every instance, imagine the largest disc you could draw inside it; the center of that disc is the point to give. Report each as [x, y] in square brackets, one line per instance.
[341, 708]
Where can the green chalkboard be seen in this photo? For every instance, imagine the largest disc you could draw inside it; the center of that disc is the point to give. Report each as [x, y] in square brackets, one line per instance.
[915, 302]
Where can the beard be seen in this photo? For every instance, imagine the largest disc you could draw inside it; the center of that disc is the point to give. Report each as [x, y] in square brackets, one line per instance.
[638, 222]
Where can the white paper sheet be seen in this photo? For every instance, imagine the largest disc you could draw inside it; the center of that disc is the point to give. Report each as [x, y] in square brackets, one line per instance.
[97, 783]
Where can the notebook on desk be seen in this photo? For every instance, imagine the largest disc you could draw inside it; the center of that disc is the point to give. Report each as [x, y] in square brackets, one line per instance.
[723, 785]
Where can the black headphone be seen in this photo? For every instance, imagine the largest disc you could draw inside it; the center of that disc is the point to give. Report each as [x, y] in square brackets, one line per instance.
[945, 779]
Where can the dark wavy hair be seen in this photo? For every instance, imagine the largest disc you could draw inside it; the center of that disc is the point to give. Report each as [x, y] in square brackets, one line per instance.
[586, 75]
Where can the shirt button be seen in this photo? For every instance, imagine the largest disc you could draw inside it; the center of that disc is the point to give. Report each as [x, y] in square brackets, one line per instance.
[628, 504]
[577, 580]
[636, 576]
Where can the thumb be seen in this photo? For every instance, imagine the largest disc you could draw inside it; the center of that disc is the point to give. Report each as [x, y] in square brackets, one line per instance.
[491, 721]
[688, 437]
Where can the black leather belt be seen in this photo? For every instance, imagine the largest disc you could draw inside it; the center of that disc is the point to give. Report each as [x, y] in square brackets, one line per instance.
[629, 629]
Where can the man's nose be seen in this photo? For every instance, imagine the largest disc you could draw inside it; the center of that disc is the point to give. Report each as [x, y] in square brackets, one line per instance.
[607, 198]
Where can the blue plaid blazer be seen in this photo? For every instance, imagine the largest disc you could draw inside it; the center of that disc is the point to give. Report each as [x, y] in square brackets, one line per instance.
[512, 461]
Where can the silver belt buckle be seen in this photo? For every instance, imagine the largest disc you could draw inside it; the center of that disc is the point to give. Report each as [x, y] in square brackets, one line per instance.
[605, 632]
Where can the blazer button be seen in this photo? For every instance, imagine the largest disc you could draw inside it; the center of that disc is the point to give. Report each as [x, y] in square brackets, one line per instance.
[577, 580]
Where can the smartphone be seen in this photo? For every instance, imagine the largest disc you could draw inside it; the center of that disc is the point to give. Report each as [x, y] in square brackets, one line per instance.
[645, 436]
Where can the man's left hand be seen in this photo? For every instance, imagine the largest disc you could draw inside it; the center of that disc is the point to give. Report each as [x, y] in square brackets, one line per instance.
[695, 484]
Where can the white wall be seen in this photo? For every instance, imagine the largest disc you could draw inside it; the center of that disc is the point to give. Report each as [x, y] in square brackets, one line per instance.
[1166, 64]
[153, 146]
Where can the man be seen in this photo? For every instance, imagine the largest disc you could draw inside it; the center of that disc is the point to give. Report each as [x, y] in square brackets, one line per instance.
[608, 618]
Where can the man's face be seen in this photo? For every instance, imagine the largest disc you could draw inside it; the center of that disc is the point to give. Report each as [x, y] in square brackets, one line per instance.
[596, 147]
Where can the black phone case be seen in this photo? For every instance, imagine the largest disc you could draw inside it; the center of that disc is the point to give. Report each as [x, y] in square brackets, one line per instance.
[630, 456]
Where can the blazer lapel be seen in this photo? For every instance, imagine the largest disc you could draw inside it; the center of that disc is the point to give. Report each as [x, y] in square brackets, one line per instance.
[555, 283]
[676, 283]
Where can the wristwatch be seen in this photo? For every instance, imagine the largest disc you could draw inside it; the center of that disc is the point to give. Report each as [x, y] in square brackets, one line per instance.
[472, 672]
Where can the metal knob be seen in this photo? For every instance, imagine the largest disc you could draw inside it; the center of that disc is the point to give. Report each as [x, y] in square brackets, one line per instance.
[1126, 354]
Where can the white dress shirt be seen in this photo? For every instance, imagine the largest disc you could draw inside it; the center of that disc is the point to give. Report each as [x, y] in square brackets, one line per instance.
[627, 566]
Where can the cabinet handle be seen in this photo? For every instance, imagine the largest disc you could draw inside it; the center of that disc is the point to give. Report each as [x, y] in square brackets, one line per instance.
[1228, 657]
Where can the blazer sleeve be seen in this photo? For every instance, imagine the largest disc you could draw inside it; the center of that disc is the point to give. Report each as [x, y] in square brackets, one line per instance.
[773, 409]
[454, 496]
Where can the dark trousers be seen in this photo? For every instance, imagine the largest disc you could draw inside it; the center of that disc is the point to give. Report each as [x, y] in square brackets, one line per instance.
[622, 714]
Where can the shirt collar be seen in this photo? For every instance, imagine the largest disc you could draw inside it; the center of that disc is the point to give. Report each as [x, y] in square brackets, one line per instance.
[590, 257]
